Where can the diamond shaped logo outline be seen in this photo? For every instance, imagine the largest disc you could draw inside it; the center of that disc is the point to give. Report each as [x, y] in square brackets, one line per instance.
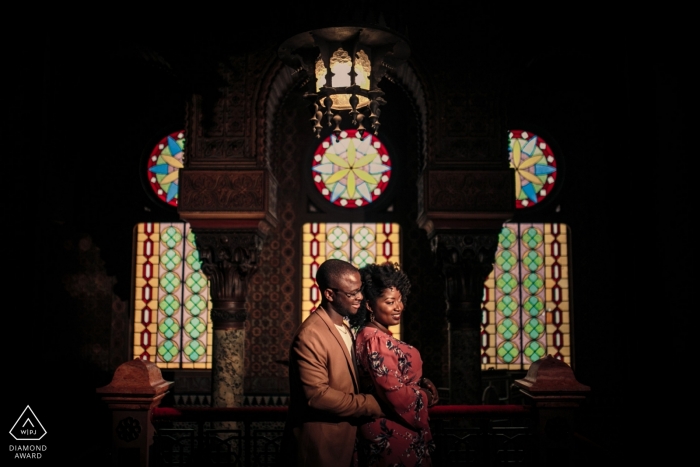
[27, 418]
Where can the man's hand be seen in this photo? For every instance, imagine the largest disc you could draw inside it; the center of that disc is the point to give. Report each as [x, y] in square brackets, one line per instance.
[428, 385]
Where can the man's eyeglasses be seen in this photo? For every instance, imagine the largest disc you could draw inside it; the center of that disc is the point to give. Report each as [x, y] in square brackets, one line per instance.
[348, 294]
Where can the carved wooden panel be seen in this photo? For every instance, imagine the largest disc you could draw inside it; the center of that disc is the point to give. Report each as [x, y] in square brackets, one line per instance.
[228, 113]
[219, 149]
[222, 190]
[470, 190]
[467, 149]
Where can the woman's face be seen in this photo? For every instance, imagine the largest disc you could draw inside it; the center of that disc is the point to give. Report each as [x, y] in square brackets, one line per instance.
[388, 307]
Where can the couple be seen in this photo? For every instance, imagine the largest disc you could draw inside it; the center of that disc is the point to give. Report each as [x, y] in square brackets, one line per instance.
[370, 388]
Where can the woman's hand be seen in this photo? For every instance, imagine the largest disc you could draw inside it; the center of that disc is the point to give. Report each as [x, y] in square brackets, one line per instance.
[430, 388]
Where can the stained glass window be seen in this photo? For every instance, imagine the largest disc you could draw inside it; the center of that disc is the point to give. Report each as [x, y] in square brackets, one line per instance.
[171, 298]
[164, 165]
[360, 244]
[526, 308]
[350, 170]
[535, 168]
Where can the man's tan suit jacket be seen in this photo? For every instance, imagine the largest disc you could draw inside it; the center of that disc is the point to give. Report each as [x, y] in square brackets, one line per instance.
[325, 407]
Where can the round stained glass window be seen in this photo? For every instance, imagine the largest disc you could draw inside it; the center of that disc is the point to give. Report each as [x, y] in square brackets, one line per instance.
[535, 168]
[164, 164]
[350, 170]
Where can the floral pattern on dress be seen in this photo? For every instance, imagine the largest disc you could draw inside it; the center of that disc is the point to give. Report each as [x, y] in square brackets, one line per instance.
[391, 370]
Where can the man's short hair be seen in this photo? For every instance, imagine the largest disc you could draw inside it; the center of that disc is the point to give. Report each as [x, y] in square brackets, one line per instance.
[331, 270]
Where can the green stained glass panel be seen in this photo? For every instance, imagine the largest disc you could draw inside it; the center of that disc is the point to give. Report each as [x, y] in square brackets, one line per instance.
[533, 260]
[533, 283]
[194, 350]
[508, 352]
[507, 238]
[507, 283]
[195, 327]
[195, 305]
[193, 260]
[506, 260]
[169, 327]
[534, 328]
[508, 328]
[526, 303]
[196, 282]
[507, 305]
[169, 305]
[164, 264]
[533, 305]
[534, 351]
[170, 282]
[171, 237]
[532, 237]
[170, 260]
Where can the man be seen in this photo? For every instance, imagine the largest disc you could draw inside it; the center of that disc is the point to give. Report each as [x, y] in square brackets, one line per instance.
[324, 405]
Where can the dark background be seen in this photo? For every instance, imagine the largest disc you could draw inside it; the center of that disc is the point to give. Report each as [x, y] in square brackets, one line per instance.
[88, 99]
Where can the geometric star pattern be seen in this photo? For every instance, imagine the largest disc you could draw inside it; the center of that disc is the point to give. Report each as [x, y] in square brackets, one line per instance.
[535, 168]
[164, 164]
[351, 170]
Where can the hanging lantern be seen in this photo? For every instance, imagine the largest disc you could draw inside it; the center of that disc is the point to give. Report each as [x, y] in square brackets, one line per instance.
[342, 67]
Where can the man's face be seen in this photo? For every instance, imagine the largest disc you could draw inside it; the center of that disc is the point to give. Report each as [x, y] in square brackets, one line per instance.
[347, 293]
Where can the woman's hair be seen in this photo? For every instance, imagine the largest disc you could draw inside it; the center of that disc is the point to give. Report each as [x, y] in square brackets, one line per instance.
[375, 279]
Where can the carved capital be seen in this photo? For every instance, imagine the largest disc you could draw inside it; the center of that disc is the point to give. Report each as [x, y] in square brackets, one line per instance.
[229, 259]
[466, 260]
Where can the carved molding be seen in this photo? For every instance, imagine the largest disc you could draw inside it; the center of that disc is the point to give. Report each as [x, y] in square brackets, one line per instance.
[410, 81]
[229, 259]
[128, 429]
[271, 96]
[467, 150]
[222, 190]
[469, 190]
[224, 146]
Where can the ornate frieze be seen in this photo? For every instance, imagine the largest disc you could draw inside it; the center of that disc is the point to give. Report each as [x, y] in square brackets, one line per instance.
[470, 190]
[222, 190]
[458, 199]
[467, 150]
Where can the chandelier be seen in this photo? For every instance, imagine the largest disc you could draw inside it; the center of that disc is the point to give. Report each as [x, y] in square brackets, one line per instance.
[341, 68]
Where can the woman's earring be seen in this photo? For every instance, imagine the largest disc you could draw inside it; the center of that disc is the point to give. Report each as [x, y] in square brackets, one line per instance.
[371, 316]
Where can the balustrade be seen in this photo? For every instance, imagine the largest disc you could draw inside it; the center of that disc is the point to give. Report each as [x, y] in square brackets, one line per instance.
[536, 433]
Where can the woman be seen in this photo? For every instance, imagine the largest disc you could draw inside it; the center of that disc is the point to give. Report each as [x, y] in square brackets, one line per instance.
[392, 371]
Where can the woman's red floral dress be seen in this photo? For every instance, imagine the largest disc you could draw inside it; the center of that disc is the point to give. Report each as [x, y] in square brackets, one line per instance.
[391, 370]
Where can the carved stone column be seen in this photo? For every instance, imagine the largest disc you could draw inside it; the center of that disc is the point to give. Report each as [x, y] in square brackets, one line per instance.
[465, 194]
[229, 196]
[229, 259]
[463, 211]
[231, 212]
[466, 260]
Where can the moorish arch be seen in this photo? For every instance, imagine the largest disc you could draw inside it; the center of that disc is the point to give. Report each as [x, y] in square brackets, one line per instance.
[232, 194]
